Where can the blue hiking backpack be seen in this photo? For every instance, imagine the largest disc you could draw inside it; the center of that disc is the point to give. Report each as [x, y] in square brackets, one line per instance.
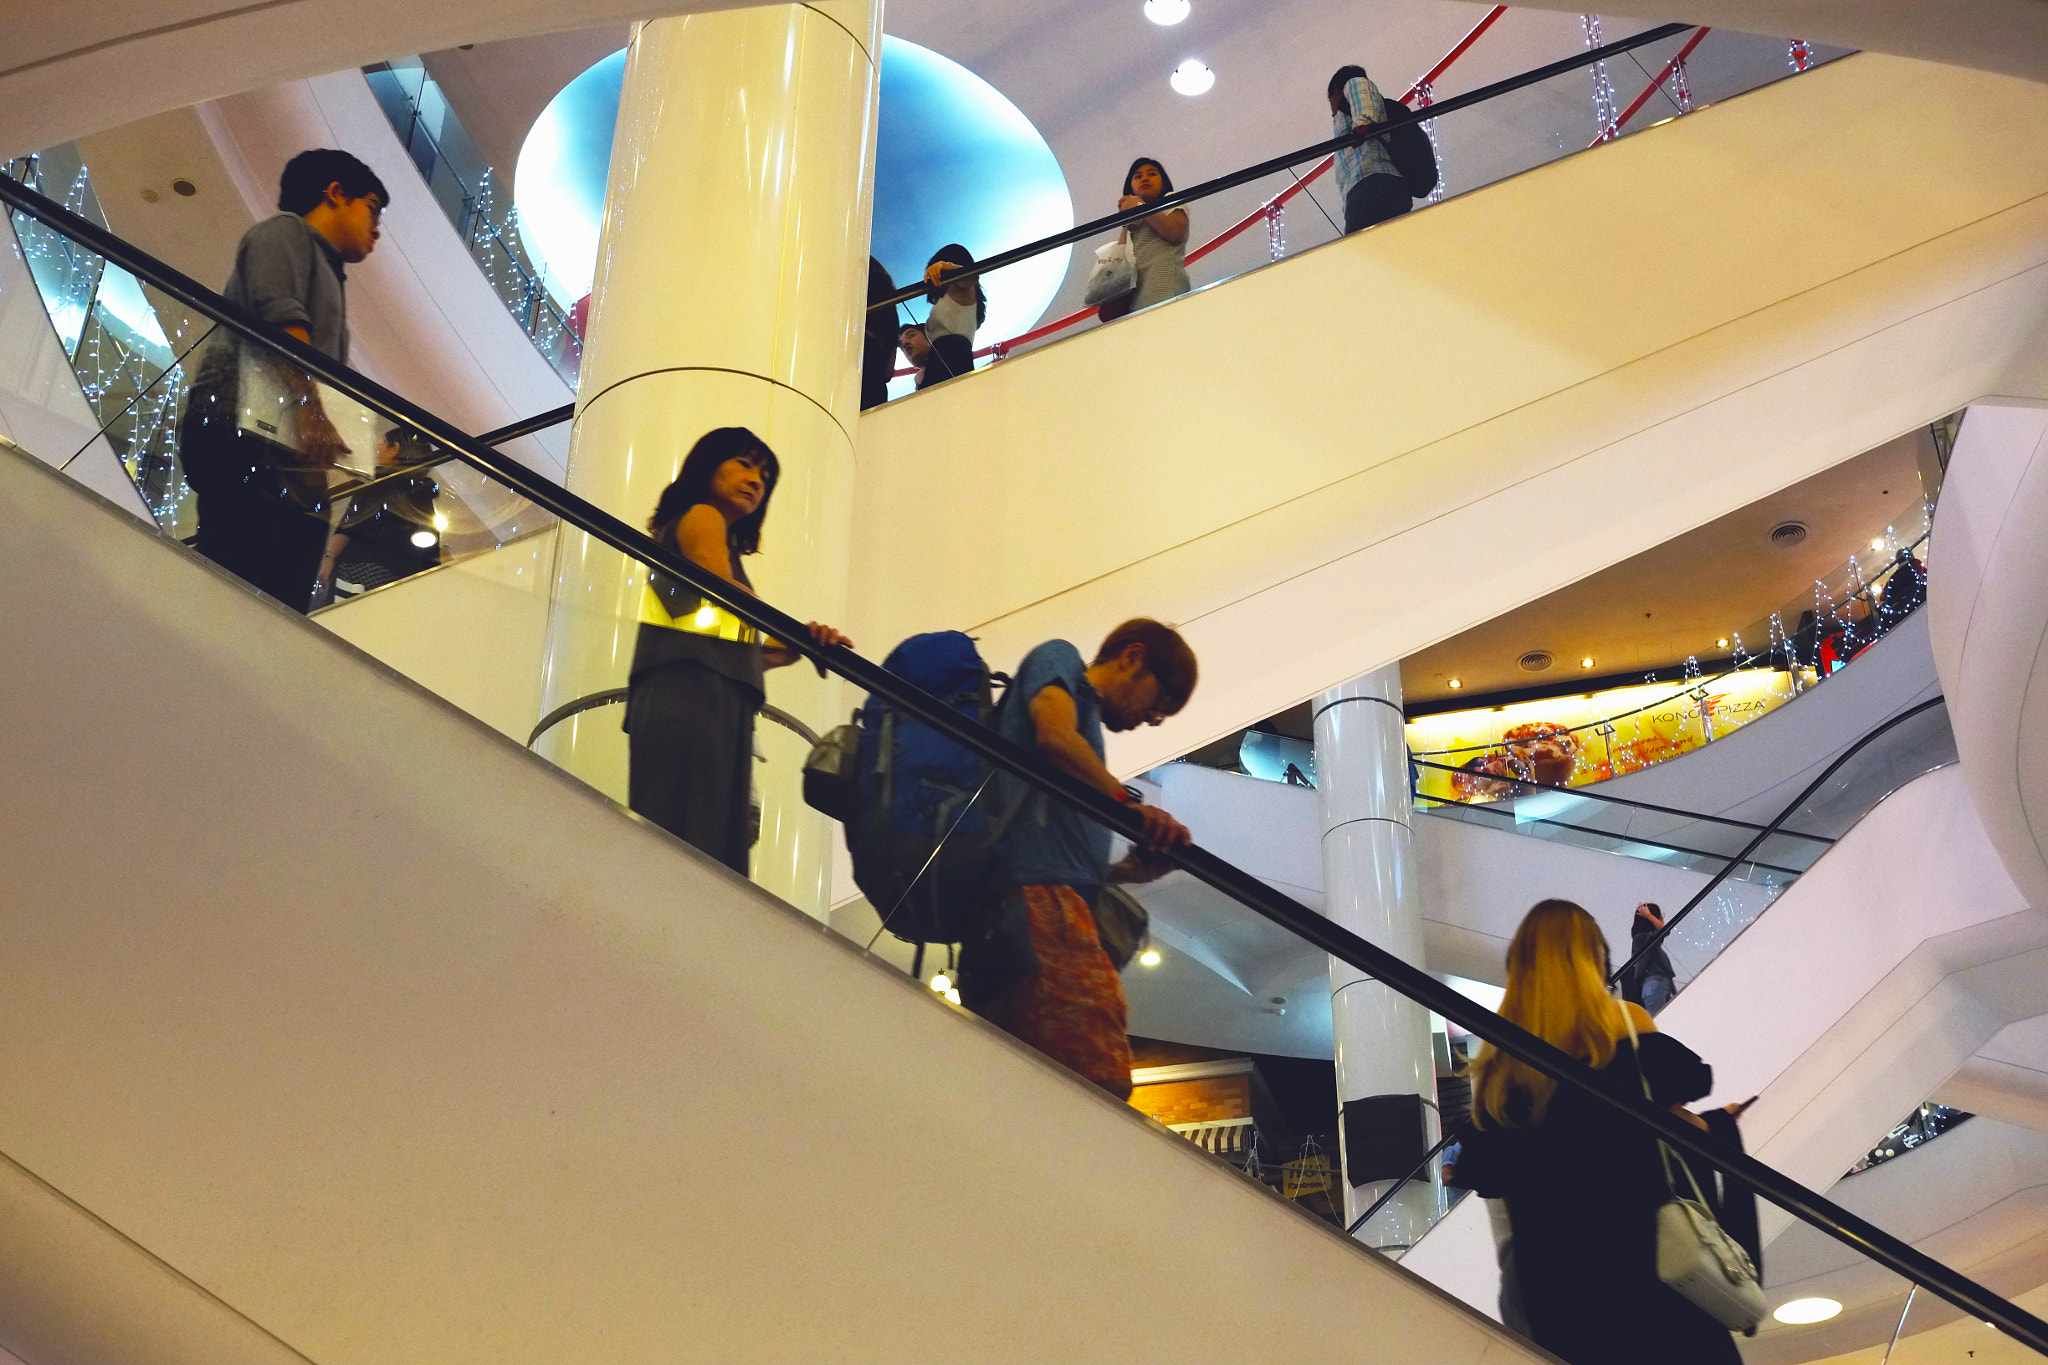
[924, 815]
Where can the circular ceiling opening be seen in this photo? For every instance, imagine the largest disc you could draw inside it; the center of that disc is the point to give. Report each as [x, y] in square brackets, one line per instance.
[955, 161]
[1786, 534]
[1536, 660]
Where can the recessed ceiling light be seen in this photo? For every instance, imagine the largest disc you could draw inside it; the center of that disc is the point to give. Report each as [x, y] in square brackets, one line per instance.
[1150, 957]
[1586, 662]
[1801, 1311]
[942, 983]
[426, 540]
[1166, 13]
[1191, 77]
[1877, 542]
[1456, 683]
[1721, 643]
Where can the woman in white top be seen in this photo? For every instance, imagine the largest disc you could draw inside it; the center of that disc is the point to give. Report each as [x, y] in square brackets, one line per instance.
[1158, 242]
[958, 310]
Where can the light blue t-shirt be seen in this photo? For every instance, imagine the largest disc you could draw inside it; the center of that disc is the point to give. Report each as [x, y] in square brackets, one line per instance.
[1049, 843]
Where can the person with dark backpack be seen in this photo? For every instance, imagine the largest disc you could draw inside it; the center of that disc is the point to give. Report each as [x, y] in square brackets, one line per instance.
[1373, 186]
[1040, 971]
[947, 848]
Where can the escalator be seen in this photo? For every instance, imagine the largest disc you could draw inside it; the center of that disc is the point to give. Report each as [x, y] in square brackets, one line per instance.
[1566, 368]
[341, 1029]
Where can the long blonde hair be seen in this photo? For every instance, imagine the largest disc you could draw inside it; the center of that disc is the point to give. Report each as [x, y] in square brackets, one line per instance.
[1557, 989]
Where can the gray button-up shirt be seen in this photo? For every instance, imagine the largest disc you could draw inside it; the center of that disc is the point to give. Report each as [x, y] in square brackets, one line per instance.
[288, 275]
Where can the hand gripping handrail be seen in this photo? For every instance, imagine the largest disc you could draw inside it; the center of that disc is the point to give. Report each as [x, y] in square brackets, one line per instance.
[1410, 981]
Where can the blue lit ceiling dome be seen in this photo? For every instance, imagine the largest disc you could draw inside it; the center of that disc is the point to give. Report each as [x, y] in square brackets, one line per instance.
[955, 161]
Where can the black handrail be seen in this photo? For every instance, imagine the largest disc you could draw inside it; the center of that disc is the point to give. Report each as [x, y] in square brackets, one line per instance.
[1404, 978]
[1491, 808]
[613, 696]
[1582, 792]
[526, 426]
[1657, 939]
[1744, 661]
[1406, 116]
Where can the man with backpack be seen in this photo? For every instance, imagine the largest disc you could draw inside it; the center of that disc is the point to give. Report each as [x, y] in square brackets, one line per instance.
[1374, 189]
[1041, 973]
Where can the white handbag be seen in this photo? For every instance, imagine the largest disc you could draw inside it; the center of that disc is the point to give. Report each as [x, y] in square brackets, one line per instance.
[1695, 1255]
[272, 398]
[1115, 274]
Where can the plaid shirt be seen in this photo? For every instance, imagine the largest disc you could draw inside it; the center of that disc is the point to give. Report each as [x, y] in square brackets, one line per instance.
[1368, 158]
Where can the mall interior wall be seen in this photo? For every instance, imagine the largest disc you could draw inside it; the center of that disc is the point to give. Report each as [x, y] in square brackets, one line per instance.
[1577, 364]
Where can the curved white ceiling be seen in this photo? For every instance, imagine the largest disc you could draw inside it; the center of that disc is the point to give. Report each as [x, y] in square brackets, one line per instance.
[75, 69]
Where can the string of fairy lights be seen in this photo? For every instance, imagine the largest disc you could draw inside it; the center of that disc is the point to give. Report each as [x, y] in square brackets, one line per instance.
[493, 239]
[1848, 609]
[135, 399]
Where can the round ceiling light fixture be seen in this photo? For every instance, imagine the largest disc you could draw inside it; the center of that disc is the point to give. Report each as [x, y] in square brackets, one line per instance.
[1802, 1311]
[1166, 13]
[1455, 684]
[1786, 534]
[1192, 77]
[1535, 661]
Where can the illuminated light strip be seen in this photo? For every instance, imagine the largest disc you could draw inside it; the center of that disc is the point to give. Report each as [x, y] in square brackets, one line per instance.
[1670, 68]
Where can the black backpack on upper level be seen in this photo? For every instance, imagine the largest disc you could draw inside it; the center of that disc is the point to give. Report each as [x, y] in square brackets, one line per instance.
[1412, 155]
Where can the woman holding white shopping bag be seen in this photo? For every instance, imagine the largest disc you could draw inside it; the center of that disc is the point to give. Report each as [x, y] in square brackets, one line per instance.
[1151, 254]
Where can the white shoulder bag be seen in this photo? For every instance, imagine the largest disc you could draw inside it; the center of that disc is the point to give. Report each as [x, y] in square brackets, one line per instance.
[1695, 1255]
[1115, 273]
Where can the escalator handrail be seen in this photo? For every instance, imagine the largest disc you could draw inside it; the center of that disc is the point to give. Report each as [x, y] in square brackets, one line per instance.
[526, 426]
[1491, 808]
[1408, 980]
[614, 696]
[1002, 349]
[1582, 792]
[1182, 198]
[1742, 661]
[1656, 940]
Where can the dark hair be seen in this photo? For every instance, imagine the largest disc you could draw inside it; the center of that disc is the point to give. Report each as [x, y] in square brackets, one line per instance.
[917, 327]
[412, 444]
[1345, 73]
[1167, 658]
[1652, 907]
[1165, 180]
[693, 483]
[952, 253]
[881, 321]
[307, 176]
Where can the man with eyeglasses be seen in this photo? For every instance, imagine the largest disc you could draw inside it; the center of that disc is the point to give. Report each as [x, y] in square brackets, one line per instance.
[257, 439]
[1042, 973]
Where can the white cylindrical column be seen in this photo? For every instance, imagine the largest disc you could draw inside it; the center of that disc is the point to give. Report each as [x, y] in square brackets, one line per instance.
[1386, 1070]
[731, 279]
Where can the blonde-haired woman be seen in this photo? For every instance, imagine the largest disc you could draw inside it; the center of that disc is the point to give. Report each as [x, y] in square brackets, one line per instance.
[1582, 1182]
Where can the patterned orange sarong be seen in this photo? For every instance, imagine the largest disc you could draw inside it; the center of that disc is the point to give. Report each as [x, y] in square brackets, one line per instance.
[1072, 1007]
